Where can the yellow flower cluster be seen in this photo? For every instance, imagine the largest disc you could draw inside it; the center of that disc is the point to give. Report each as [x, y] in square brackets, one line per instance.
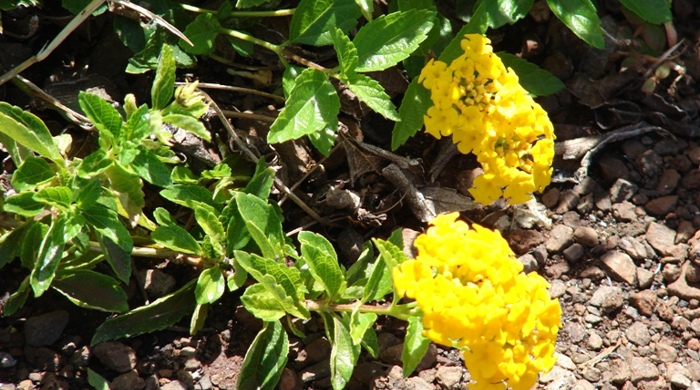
[486, 110]
[474, 296]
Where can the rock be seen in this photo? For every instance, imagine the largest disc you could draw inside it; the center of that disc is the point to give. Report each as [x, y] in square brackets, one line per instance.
[368, 371]
[586, 236]
[680, 381]
[116, 356]
[620, 266]
[567, 201]
[319, 370]
[642, 368]
[638, 333]
[622, 190]
[594, 342]
[45, 329]
[128, 381]
[529, 263]
[612, 168]
[660, 237]
[174, 385]
[576, 331]
[449, 377]
[668, 182]
[644, 277]
[550, 198]
[592, 374]
[625, 211]
[156, 282]
[558, 379]
[583, 384]
[671, 272]
[620, 371]
[6, 360]
[633, 247]
[557, 288]
[661, 206]
[43, 358]
[685, 231]
[666, 352]
[559, 238]
[557, 270]
[650, 163]
[524, 240]
[644, 302]
[608, 298]
[288, 381]
[564, 361]
[574, 252]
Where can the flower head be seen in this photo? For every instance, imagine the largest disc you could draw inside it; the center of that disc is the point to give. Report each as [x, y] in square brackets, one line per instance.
[481, 104]
[473, 294]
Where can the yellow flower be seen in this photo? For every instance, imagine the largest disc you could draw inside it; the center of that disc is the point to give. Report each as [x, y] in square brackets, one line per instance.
[473, 294]
[481, 104]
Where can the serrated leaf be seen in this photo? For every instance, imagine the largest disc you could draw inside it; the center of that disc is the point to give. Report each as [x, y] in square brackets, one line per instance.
[48, 256]
[652, 11]
[92, 290]
[189, 124]
[258, 213]
[137, 126]
[312, 106]
[107, 223]
[208, 220]
[158, 315]
[581, 17]
[117, 258]
[344, 353]
[380, 282]
[322, 261]
[367, 8]
[164, 82]
[537, 81]
[313, 20]
[372, 93]
[210, 285]
[33, 171]
[94, 164]
[262, 304]
[187, 194]
[390, 39]
[414, 106]
[265, 359]
[261, 182]
[28, 130]
[58, 196]
[359, 324]
[105, 117]
[150, 168]
[23, 204]
[497, 13]
[346, 51]
[176, 238]
[391, 253]
[414, 346]
[86, 192]
[202, 32]
[31, 243]
[147, 59]
[324, 140]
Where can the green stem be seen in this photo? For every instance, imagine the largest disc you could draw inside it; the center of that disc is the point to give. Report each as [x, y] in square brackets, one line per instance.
[242, 14]
[249, 38]
[402, 312]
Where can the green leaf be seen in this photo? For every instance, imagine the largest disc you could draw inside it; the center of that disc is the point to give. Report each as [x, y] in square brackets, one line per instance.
[10, 244]
[269, 272]
[176, 238]
[581, 17]
[344, 353]
[313, 20]
[92, 290]
[652, 11]
[164, 83]
[322, 260]
[86, 192]
[137, 126]
[202, 32]
[312, 106]
[250, 3]
[359, 324]
[490, 13]
[147, 59]
[537, 81]
[105, 117]
[414, 346]
[78, 6]
[97, 381]
[210, 285]
[371, 343]
[117, 258]
[58, 196]
[367, 8]
[94, 164]
[150, 168]
[187, 194]
[262, 304]
[323, 140]
[23, 204]
[372, 93]
[158, 315]
[48, 256]
[32, 172]
[29, 131]
[265, 359]
[346, 51]
[189, 124]
[17, 299]
[256, 212]
[108, 224]
[199, 317]
[391, 253]
[127, 188]
[207, 218]
[261, 182]
[31, 243]
[380, 282]
[390, 39]
[414, 106]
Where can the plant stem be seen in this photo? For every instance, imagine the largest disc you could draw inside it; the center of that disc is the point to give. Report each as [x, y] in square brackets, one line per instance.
[157, 253]
[402, 312]
[242, 14]
[249, 38]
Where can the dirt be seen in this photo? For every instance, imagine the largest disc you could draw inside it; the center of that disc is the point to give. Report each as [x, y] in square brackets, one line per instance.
[616, 233]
